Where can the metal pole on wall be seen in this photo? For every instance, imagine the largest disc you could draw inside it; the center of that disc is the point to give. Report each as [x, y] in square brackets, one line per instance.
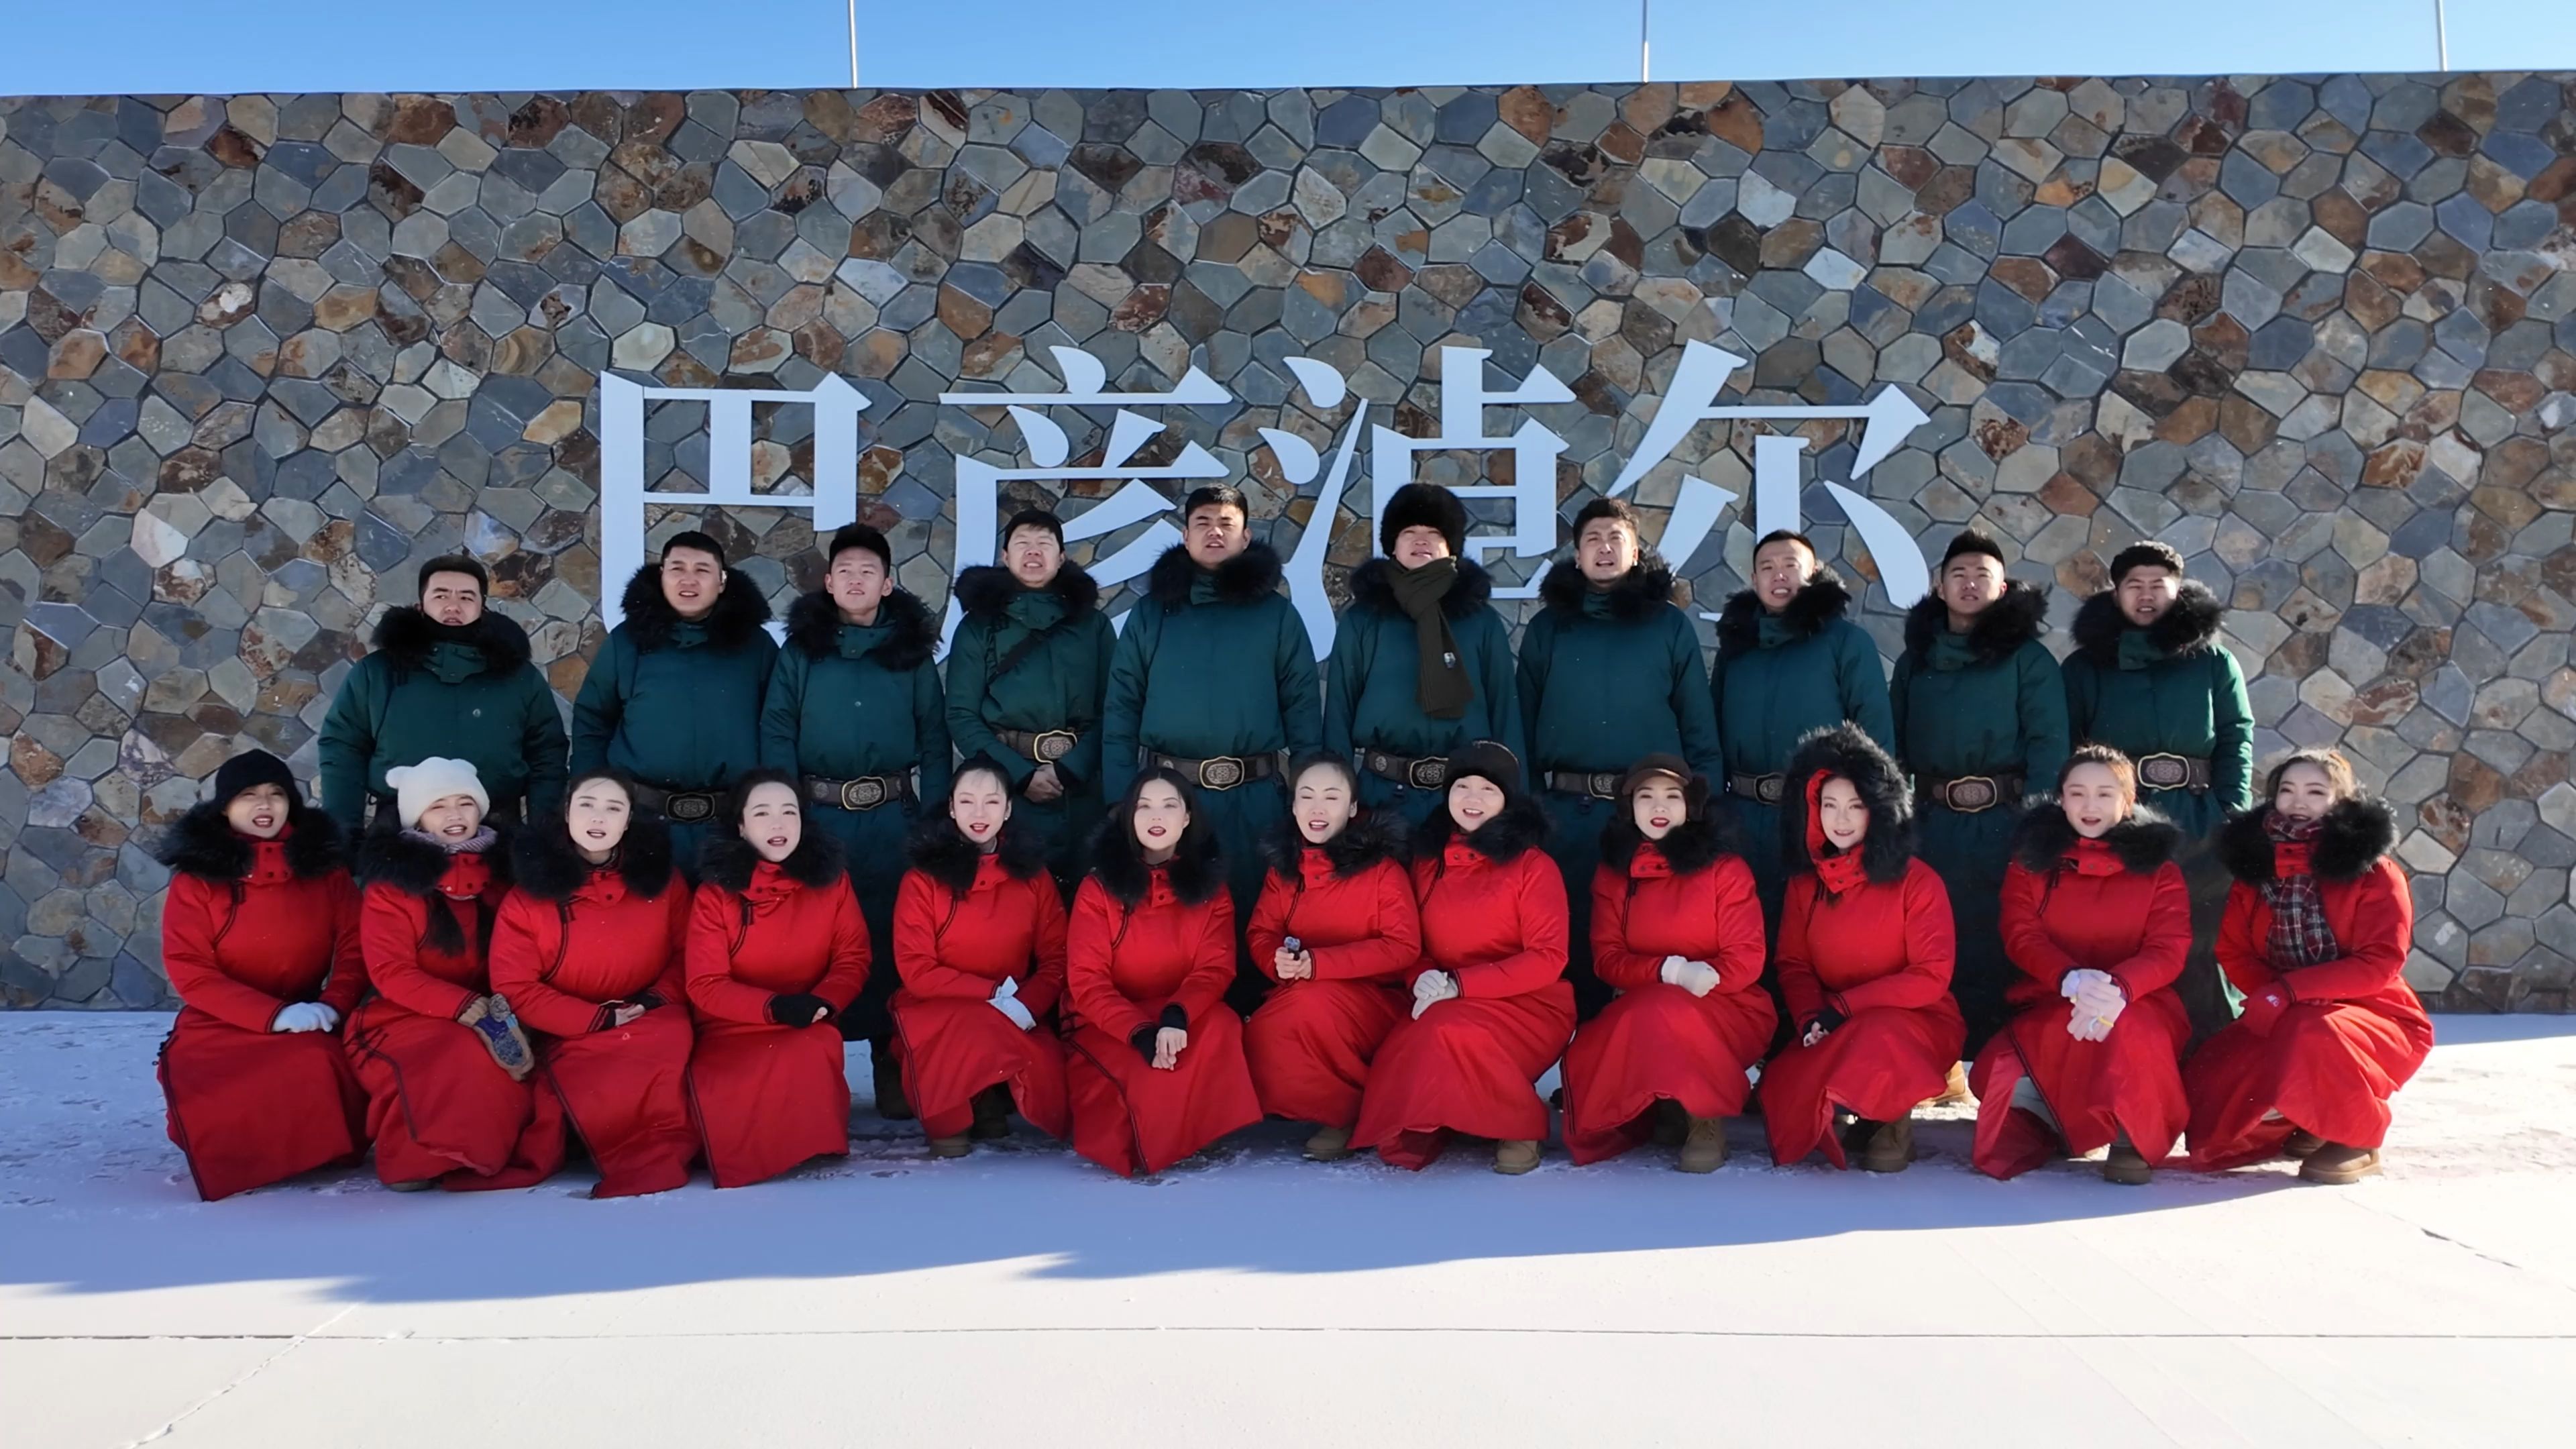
[2441, 37]
[854, 44]
[1645, 9]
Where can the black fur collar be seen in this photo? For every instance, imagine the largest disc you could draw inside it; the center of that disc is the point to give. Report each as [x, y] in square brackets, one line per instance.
[1692, 846]
[395, 857]
[727, 859]
[1372, 837]
[1197, 866]
[937, 850]
[2143, 842]
[546, 866]
[203, 844]
[1822, 601]
[984, 591]
[405, 635]
[2352, 838]
[2017, 618]
[650, 619]
[2189, 627]
[1521, 828]
[1247, 577]
[1636, 595]
[1848, 751]
[1371, 590]
[814, 625]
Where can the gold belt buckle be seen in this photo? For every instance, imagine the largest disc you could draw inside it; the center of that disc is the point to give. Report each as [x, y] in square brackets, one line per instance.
[1224, 772]
[1053, 745]
[865, 793]
[1971, 794]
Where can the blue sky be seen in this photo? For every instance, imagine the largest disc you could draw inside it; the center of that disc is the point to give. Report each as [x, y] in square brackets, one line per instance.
[62, 47]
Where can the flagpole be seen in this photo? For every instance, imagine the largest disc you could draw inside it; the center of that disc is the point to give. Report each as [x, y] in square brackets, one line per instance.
[2441, 37]
[854, 44]
[1645, 10]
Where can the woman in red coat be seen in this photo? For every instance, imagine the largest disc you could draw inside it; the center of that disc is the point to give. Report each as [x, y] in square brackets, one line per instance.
[1491, 1009]
[979, 943]
[1154, 1065]
[2097, 918]
[2317, 929]
[442, 1055]
[776, 951]
[260, 939]
[1865, 954]
[1677, 931]
[1336, 927]
[588, 950]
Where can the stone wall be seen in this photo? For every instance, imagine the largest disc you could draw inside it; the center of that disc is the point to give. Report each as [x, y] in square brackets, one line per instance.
[259, 355]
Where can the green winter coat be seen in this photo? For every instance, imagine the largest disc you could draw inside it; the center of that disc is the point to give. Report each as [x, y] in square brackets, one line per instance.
[1055, 684]
[465, 693]
[2170, 688]
[1977, 703]
[1370, 697]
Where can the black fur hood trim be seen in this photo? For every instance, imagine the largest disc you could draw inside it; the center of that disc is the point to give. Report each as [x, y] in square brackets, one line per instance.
[545, 864]
[405, 636]
[1690, 847]
[1638, 593]
[2189, 627]
[1248, 577]
[985, 590]
[2011, 621]
[1197, 865]
[2143, 842]
[2354, 836]
[728, 860]
[203, 844]
[393, 856]
[1848, 751]
[814, 625]
[1371, 837]
[739, 613]
[1371, 591]
[939, 851]
[1821, 602]
[1521, 828]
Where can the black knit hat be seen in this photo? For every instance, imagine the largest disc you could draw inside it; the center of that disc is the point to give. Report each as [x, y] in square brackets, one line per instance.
[860, 535]
[2145, 554]
[1974, 540]
[1489, 760]
[254, 767]
[1424, 505]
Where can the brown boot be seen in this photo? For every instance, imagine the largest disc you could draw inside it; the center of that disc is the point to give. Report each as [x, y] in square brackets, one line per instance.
[2301, 1144]
[1511, 1159]
[892, 1105]
[1704, 1145]
[1329, 1144]
[992, 1115]
[951, 1146]
[2127, 1166]
[2336, 1165]
[1954, 1088]
[1890, 1148]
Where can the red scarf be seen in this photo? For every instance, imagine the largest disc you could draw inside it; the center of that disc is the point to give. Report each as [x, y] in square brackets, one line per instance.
[2092, 857]
[1838, 871]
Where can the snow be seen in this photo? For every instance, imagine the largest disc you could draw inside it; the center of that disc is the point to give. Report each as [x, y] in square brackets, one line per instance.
[1250, 1298]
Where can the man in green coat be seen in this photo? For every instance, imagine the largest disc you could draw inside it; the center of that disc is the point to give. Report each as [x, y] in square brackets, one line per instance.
[1980, 725]
[1214, 676]
[1610, 672]
[2150, 678]
[854, 711]
[674, 698]
[447, 678]
[1788, 663]
[1421, 664]
[1026, 674]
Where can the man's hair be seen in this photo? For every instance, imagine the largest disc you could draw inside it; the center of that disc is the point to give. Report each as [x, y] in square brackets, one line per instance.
[696, 540]
[1036, 518]
[1618, 509]
[456, 563]
[1787, 535]
[1215, 495]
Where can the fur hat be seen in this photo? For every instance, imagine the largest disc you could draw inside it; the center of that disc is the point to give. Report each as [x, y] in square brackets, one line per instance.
[253, 767]
[417, 787]
[1424, 505]
[1488, 760]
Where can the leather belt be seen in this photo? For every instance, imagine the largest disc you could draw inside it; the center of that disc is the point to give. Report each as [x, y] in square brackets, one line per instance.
[1762, 789]
[2174, 772]
[1598, 784]
[1421, 772]
[1218, 772]
[1972, 794]
[680, 807]
[1044, 746]
[864, 793]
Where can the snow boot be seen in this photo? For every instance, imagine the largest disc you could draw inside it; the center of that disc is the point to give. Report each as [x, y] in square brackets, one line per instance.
[2127, 1166]
[2336, 1165]
[1889, 1148]
[1703, 1145]
[2301, 1144]
[1954, 1088]
[951, 1146]
[1511, 1159]
[1329, 1144]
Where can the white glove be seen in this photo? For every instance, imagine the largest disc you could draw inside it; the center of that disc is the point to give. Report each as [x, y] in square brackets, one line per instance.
[2077, 981]
[1696, 977]
[305, 1016]
[1430, 989]
[1006, 1000]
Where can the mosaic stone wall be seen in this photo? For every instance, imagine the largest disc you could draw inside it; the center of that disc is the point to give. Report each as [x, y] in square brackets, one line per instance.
[259, 355]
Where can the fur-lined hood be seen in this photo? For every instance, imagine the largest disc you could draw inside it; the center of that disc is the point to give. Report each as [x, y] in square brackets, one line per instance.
[938, 850]
[1197, 866]
[1819, 603]
[391, 855]
[1521, 828]
[545, 864]
[2188, 627]
[2011, 621]
[204, 844]
[405, 636]
[1372, 837]
[651, 622]
[1248, 577]
[726, 859]
[1372, 590]
[1707, 837]
[814, 626]
[985, 590]
[1638, 593]
[1848, 751]
[2351, 839]
[2143, 842]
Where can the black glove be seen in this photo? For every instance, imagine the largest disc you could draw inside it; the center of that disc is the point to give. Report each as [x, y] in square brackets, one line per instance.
[650, 999]
[1143, 1041]
[798, 1008]
[1828, 1018]
[1175, 1019]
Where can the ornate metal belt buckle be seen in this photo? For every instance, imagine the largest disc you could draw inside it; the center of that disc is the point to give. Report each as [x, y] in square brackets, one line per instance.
[863, 794]
[1053, 745]
[689, 807]
[1222, 773]
[1602, 784]
[2165, 772]
[1769, 789]
[1970, 794]
[1428, 773]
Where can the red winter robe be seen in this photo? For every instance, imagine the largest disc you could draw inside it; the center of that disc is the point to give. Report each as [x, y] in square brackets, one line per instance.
[951, 949]
[1657, 1042]
[2117, 904]
[1140, 957]
[1494, 917]
[440, 1108]
[768, 1097]
[2345, 1034]
[1350, 904]
[249, 927]
[574, 942]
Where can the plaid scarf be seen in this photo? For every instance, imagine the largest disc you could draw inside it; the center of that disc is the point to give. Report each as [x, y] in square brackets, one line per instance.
[2300, 935]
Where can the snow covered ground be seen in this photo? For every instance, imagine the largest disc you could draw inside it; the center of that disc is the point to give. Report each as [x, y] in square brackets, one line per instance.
[1021, 1296]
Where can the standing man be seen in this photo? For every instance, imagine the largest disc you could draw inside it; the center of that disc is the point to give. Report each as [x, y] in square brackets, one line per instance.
[1214, 676]
[2150, 679]
[1422, 665]
[1026, 675]
[1788, 662]
[854, 710]
[445, 679]
[674, 698]
[1609, 673]
[1980, 724]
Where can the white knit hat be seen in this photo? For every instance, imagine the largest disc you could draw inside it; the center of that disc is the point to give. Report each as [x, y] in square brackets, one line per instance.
[417, 787]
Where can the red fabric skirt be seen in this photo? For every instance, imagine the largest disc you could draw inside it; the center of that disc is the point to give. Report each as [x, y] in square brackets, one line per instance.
[1467, 1065]
[952, 1049]
[1132, 1119]
[1659, 1043]
[2327, 1067]
[767, 1098]
[2130, 1081]
[623, 1090]
[1881, 1064]
[1310, 1046]
[440, 1109]
[249, 1108]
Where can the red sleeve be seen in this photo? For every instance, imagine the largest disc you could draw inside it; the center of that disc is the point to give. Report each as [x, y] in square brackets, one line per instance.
[1931, 950]
[1211, 960]
[1391, 950]
[522, 950]
[2241, 956]
[190, 918]
[2374, 958]
[1799, 988]
[920, 904]
[1538, 901]
[1269, 929]
[2167, 939]
[1739, 927]
[2025, 928]
[1612, 961]
[348, 981]
[390, 924]
[847, 975]
[1045, 985]
[1086, 965]
[715, 916]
